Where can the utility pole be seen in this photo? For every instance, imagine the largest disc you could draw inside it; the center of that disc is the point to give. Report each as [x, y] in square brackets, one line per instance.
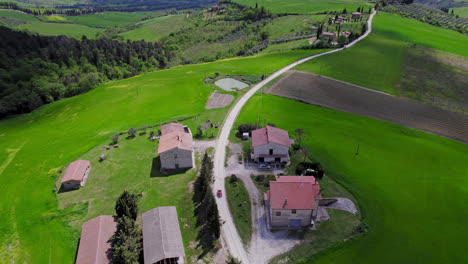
[357, 149]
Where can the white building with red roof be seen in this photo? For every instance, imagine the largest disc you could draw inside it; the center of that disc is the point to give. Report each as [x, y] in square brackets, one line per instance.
[76, 174]
[270, 144]
[95, 242]
[293, 201]
[175, 147]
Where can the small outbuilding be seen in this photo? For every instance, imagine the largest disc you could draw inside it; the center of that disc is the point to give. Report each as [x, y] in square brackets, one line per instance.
[270, 144]
[175, 147]
[162, 239]
[293, 201]
[76, 174]
[356, 14]
[328, 35]
[95, 238]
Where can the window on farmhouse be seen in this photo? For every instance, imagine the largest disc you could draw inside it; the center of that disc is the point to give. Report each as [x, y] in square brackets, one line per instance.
[293, 211]
[278, 213]
[271, 151]
[175, 156]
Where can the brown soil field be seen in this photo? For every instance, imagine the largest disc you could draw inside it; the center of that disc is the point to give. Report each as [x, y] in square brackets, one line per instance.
[323, 91]
[218, 100]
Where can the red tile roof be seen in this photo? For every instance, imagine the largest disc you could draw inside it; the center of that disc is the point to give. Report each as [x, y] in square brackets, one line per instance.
[95, 240]
[176, 139]
[76, 171]
[171, 127]
[270, 134]
[294, 192]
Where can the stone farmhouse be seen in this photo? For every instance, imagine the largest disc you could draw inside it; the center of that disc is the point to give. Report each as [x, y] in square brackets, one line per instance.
[175, 147]
[162, 239]
[293, 201]
[270, 144]
[76, 174]
[95, 240]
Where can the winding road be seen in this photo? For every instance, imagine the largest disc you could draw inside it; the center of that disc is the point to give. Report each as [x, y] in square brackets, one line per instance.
[228, 230]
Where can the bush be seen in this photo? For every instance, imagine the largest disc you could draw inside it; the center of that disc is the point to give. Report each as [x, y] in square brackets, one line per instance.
[233, 179]
[246, 128]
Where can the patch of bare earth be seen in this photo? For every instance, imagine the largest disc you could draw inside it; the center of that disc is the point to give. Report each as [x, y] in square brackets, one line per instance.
[218, 100]
[435, 77]
[319, 90]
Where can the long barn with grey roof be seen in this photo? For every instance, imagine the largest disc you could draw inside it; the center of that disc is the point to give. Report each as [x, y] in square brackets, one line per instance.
[162, 239]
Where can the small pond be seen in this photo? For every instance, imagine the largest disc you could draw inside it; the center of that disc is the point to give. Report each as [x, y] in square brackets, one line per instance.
[230, 84]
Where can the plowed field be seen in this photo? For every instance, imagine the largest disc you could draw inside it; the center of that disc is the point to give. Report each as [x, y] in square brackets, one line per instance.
[338, 95]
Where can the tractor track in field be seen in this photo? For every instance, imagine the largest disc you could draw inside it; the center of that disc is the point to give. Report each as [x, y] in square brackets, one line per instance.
[330, 93]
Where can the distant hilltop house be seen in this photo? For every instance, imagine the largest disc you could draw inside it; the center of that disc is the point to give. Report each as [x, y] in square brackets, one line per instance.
[346, 34]
[95, 240]
[270, 144]
[328, 35]
[175, 147]
[356, 14]
[293, 201]
[162, 239]
[76, 174]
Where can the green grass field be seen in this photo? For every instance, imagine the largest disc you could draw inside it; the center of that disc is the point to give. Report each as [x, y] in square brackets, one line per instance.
[56, 29]
[17, 15]
[239, 205]
[376, 62]
[131, 167]
[34, 146]
[461, 11]
[307, 6]
[156, 28]
[109, 19]
[411, 185]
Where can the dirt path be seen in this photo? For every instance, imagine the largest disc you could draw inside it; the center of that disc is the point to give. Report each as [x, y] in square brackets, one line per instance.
[228, 230]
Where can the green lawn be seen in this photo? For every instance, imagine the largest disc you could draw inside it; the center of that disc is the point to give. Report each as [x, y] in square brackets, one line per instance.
[131, 167]
[156, 28]
[306, 6]
[34, 146]
[239, 205]
[56, 29]
[411, 185]
[376, 62]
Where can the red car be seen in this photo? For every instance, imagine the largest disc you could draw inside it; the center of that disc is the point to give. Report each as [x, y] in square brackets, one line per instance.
[219, 193]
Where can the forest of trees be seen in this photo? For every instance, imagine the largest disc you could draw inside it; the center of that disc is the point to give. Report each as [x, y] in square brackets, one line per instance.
[36, 70]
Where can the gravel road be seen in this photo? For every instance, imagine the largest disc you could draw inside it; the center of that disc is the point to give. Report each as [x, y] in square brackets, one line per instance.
[228, 230]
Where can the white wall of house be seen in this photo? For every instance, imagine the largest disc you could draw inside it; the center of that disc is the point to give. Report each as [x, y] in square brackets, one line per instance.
[270, 151]
[284, 219]
[176, 158]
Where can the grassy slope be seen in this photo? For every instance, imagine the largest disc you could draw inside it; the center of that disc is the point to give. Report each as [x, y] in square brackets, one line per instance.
[34, 144]
[412, 186]
[156, 28]
[56, 29]
[239, 205]
[461, 11]
[380, 56]
[17, 15]
[108, 19]
[307, 6]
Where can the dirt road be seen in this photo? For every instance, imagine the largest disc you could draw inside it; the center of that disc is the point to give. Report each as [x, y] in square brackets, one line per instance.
[228, 230]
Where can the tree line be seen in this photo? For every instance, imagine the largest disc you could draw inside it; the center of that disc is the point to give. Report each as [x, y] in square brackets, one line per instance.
[206, 210]
[37, 70]
[65, 10]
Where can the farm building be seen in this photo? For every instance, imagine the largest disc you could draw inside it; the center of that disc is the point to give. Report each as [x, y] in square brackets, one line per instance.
[270, 144]
[356, 14]
[95, 240]
[346, 34]
[175, 147]
[76, 174]
[328, 35]
[162, 240]
[293, 201]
